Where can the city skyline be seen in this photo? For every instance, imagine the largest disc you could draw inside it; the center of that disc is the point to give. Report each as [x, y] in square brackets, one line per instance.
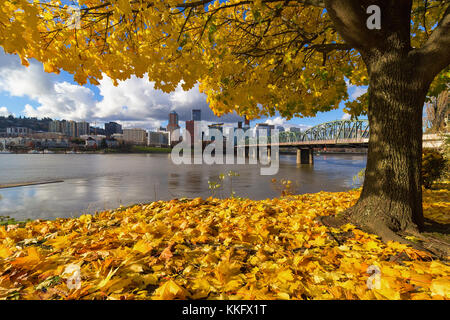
[134, 103]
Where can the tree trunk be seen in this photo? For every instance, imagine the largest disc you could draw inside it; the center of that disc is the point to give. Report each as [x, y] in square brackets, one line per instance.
[391, 199]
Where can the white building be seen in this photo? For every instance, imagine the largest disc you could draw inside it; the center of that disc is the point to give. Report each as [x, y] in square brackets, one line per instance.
[135, 136]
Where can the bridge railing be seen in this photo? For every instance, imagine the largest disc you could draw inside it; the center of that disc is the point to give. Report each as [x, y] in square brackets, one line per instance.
[334, 130]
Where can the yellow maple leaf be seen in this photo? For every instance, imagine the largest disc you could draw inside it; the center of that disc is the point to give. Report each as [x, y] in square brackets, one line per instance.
[285, 276]
[142, 246]
[440, 286]
[30, 260]
[4, 252]
[170, 290]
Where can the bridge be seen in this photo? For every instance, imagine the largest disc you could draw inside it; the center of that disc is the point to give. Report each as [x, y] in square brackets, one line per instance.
[342, 133]
[338, 133]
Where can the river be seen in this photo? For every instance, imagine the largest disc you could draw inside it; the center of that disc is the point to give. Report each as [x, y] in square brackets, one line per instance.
[93, 182]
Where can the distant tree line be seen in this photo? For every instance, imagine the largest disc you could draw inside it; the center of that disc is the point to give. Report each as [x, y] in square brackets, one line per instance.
[31, 123]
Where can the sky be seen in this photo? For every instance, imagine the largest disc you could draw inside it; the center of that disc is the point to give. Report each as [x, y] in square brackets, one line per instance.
[31, 92]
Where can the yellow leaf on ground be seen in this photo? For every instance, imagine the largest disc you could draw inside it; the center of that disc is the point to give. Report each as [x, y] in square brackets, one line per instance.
[440, 286]
[30, 260]
[170, 290]
[142, 246]
[285, 276]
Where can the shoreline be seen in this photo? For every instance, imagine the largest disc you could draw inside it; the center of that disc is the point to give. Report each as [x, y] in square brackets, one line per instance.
[24, 184]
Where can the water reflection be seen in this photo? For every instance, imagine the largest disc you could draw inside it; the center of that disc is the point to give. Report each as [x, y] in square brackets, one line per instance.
[99, 182]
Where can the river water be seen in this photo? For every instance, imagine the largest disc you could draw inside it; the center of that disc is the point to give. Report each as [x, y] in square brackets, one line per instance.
[94, 182]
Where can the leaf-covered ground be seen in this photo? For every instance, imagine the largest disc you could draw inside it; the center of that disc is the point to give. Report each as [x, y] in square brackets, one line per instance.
[219, 249]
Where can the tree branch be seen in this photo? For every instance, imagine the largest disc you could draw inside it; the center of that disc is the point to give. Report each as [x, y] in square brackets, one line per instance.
[349, 18]
[327, 47]
[434, 55]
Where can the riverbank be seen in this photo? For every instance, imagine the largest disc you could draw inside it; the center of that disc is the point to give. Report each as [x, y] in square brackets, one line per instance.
[219, 249]
[24, 184]
[128, 150]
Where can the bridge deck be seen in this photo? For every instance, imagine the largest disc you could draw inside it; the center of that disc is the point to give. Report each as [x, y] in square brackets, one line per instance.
[353, 142]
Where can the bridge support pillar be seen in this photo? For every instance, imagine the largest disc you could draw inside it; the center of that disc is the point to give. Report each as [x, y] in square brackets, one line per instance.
[305, 156]
[311, 156]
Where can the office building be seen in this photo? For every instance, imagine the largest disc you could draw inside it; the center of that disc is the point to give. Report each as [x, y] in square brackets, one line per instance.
[82, 128]
[190, 125]
[97, 130]
[172, 126]
[69, 128]
[135, 136]
[112, 127]
[197, 115]
[54, 126]
[17, 131]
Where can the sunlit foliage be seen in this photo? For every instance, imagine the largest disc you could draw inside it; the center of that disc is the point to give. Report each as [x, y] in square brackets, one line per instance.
[252, 57]
[219, 249]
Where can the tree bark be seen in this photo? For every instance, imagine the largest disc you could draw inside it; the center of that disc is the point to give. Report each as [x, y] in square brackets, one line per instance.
[400, 76]
[391, 199]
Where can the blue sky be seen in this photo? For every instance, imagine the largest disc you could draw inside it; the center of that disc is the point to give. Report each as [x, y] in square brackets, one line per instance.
[134, 103]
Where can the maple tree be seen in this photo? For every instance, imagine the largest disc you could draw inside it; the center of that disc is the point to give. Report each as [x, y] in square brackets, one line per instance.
[262, 56]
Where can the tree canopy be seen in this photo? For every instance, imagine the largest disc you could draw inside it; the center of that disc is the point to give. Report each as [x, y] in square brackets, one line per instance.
[253, 57]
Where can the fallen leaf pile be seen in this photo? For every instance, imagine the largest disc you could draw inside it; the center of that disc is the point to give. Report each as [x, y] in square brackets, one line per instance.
[218, 249]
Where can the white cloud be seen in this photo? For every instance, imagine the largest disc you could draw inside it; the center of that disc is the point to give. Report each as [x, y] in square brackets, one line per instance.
[358, 91]
[355, 91]
[4, 112]
[278, 121]
[346, 116]
[133, 103]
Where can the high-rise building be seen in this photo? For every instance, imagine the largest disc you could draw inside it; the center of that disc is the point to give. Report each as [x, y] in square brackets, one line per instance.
[112, 127]
[72, 128]
[194, 130]
[172, 126]
[173, 118]
[196, 114]
[83, 128]
[54, 126]
[190, 129]
[135, 136]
